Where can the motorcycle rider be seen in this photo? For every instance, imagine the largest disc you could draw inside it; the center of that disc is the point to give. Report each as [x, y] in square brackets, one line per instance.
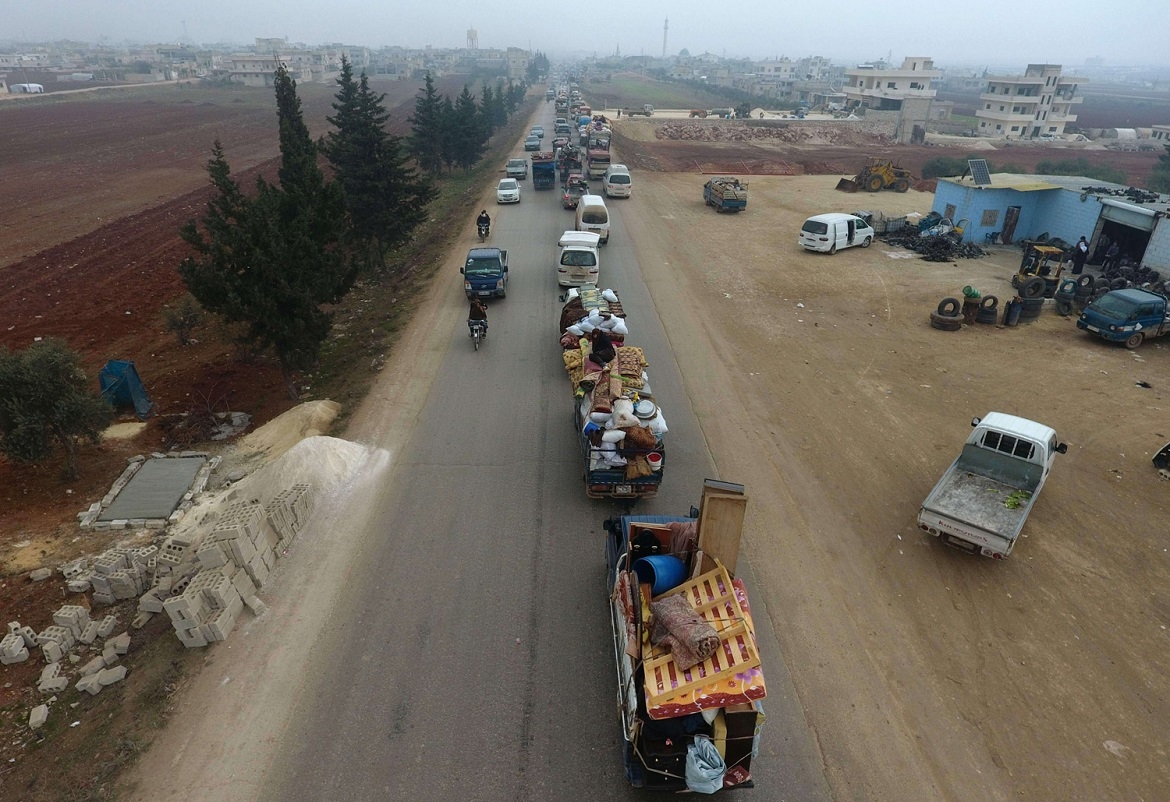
[484, 221]
[477, 314]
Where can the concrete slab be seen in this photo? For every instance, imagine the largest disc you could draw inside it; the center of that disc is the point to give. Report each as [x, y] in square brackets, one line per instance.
[155, 490]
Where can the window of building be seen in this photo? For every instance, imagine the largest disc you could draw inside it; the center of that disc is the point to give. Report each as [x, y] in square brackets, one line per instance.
[1001, 108]
[891, 85]
[1052, 129]
[1015, 128]
[999, 128]
[949, 211]
[988, 106]
[990, 216]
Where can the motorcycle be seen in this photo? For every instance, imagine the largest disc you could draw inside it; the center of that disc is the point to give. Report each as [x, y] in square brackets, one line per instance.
[478, 331]
[483, 231]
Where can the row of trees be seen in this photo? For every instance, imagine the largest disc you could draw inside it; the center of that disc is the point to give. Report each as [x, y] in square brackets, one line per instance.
[271, 259]
[454, 133]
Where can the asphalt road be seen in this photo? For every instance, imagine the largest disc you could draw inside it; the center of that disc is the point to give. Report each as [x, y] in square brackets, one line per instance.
[473, 659]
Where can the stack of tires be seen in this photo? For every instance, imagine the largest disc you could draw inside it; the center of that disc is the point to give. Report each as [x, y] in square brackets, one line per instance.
[1065, 295]
[948, 316]
[1083, 292]
[1032, 297]
[988, 310]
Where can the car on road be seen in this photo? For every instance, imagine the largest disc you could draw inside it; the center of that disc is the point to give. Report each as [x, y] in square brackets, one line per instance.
[532, 143]
[538, 131]
[508, 191]
[517, 168]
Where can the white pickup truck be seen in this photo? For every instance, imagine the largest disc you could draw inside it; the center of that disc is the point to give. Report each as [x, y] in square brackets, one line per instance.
[517, 168]
[981, 502]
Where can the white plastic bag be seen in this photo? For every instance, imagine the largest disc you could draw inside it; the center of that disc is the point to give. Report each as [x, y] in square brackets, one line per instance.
[586, 326]
[572, 293]
[658, 424]
[705, 767]
[609, 295]
[619, 327]
[613, 436]
[577, 330]
[623, 413]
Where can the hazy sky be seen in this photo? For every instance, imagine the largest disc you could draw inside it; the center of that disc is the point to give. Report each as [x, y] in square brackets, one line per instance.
[983, 32]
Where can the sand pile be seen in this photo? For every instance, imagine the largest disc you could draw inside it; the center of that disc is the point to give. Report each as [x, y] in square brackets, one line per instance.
[796, 133]
[325, 463]
[283, 432]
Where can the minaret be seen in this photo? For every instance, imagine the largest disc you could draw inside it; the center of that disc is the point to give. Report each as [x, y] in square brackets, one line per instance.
[665, 28]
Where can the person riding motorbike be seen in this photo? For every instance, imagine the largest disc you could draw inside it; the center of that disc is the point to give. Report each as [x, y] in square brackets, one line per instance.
[484, 222]
[477, 315]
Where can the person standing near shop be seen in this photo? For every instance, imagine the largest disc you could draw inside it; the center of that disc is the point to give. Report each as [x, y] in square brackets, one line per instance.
[1112, 256]
[1080, 254]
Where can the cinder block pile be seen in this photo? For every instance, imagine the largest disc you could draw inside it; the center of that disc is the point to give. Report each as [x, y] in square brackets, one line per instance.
[288, 513]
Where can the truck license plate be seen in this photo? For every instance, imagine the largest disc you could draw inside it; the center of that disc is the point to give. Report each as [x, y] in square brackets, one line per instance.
[484, 292]
[1093, 328]
[623, 490]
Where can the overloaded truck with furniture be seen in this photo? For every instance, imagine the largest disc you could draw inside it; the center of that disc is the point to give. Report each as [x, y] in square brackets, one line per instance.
[690, 680]
[981, 502]
[597, 153]
[617, 422]
[726, 193]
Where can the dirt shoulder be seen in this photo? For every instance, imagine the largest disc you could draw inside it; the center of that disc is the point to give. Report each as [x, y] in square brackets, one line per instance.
[819, 382]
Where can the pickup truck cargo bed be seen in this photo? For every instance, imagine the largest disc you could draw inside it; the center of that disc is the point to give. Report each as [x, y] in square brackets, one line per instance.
[959, 495]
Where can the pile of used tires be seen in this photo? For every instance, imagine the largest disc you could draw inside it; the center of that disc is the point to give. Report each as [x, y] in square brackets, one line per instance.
[936, 248]
[949, 316]
[1140, 276]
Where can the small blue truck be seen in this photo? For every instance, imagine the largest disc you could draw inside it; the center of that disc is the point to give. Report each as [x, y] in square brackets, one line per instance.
[485, 273]
[1129, 316]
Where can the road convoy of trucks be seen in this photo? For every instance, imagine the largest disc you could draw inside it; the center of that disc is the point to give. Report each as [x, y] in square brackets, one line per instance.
[690, 685]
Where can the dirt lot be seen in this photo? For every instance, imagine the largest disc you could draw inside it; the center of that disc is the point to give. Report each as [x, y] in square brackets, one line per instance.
[832, 148]
[925, 673]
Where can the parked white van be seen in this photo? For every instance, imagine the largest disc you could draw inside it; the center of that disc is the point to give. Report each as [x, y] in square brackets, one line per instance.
[616, 182]
[831, 232]
[592, 215]
[578, 262]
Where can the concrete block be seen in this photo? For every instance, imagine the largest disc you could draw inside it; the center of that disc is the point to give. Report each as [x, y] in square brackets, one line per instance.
[52, 651]
[11, 644]
[72, 617]
[29, 635]
[212, 555]
[100, 583]
[54, 685]
[111, 675]
[257, 607]
[89, 683]
[71, 569]
[41, 574]
[235, 605]
[93, 666]
[108, 562]
[58, 634]
[244, 584]
[156, 523]
[18, 656]
[13, 627]
[221, 625]
[141, 619]
[103, 598]
[90, 633]
[185, 607]
[149, 602]
[78, 585]
[242, 550]
[107, 626]
[38, 717]
[121, 644]
[191, 638]
[51, 671]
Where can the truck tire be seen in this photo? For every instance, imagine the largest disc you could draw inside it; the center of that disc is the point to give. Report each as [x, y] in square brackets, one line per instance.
[988, 315]
[1134, 340]
[1118, 284]
[1063, 307]
[948, 307]
[1032, 288]
[1068, 286]
[1101, 284]
[833, 249]
[1086, 281]
[946, 322]
[989, 302]
[874, 183]
[865, 243]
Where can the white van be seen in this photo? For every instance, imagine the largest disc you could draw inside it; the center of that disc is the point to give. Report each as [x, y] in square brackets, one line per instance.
[578, 262]
[616, 182]
[593, 216]
[831, 232]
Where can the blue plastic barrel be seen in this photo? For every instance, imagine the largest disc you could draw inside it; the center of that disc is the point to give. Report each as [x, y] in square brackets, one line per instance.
[662, 572]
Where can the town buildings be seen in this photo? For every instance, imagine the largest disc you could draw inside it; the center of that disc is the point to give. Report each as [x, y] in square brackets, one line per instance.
[1035, 105]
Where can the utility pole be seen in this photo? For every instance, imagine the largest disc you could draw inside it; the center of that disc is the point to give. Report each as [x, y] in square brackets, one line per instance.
[665, 29]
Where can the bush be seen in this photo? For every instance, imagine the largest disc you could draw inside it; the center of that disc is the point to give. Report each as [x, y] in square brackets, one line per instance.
[944, 167]
[1081, 167]
[183, 318]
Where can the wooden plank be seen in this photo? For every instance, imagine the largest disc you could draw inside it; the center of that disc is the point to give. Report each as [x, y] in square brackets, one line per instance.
[721, 526]
[713, 597]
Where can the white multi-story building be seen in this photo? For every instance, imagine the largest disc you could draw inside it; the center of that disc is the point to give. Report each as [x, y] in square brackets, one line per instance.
[880, 86]
[1037, 104]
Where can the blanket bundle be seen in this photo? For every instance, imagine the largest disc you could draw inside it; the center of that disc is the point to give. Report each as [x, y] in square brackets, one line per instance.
[677, 627]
